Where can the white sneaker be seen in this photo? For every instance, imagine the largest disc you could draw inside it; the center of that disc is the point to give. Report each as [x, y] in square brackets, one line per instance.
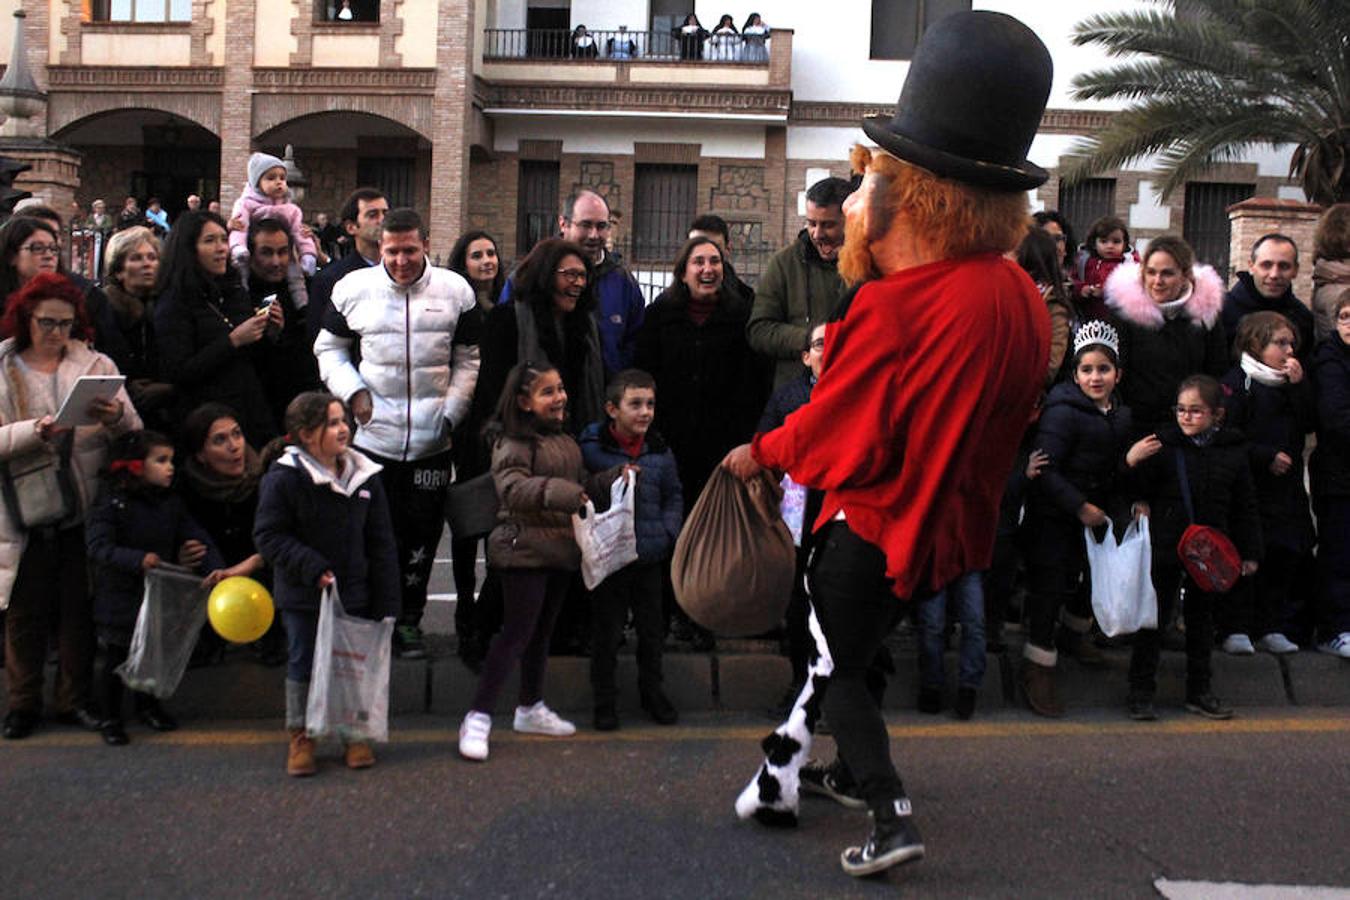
[1238, 645]
[1276, 643]
[539, 719]
[1337, 646]
[473, 736]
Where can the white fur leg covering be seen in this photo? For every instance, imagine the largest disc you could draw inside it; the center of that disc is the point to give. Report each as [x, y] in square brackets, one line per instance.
[771, 797]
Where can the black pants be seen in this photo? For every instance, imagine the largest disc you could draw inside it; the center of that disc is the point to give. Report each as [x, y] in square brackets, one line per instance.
[1333, 562]
[637, 587]
[464, 560]
[112, 690]
[1197, 612]
[51, 592]
[856, 609]
[1269, 601]
[416, 491]
[1056, 579]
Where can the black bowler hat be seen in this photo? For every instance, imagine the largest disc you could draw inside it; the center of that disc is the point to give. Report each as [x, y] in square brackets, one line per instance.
[972, 102]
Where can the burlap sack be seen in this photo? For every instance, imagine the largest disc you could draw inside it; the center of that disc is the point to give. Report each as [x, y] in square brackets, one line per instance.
[734, 561]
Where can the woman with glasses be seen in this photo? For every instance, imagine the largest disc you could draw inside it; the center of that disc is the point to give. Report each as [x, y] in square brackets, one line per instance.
[548, 320]
[1167, 311]
[43, 579]
[210, 339]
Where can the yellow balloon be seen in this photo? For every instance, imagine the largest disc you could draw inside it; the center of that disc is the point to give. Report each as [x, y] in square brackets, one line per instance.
[240, 609]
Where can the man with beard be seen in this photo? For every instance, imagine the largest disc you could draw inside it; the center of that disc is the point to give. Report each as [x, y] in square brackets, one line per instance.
[801, 283]
[289, 367]
[929, 377]
[362, 216]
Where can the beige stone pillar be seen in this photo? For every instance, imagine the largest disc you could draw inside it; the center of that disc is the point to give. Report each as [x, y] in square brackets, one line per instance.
[236, 102]
[1253, 218]
[451, 119]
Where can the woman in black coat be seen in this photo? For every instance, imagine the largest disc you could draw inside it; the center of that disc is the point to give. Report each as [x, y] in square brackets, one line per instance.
[710, 386]
[209, 338]
[1330, 470]
[691, 35]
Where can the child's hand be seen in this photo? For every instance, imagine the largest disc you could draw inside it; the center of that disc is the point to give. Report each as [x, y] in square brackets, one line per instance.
[236, 223]
[1091, 515]
[1142, 450]
[1293, 370]
[1140, 509]
[1249, 567]
[150, 561]
[191, 554]
[1091, 290]
[326, 579]
[216, 577]
[1281, 463]
[581, 504]
[1037, 461]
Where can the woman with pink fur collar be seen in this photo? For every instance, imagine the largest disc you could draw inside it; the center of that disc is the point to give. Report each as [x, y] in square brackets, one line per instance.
[1166, 311]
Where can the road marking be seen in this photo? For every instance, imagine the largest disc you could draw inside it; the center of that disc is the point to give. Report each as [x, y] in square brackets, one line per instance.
[654, 734]
[1228, 890]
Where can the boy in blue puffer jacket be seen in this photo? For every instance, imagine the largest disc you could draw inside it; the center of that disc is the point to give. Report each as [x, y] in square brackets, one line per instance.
[627, 438]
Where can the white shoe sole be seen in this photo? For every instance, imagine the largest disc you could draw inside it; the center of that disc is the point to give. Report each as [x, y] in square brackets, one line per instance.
[543, 732]
[896, 857]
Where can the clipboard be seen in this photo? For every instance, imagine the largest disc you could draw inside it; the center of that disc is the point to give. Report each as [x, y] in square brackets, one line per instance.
[74, 409]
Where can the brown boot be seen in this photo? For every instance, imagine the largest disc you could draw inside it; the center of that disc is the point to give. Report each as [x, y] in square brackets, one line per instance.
[359, 755]
[300, 758]
[1038, 683]
[1079, 645]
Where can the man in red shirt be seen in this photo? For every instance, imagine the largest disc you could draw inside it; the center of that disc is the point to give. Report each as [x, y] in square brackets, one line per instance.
[930, 375]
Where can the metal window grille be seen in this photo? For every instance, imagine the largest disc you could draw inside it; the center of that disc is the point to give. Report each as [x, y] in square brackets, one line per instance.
[665, 201]
[1206, 227]
[536, 204]
[392, 175]
[1086, 202]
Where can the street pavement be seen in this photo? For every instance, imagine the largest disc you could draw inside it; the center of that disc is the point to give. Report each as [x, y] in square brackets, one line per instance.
[1095, 806]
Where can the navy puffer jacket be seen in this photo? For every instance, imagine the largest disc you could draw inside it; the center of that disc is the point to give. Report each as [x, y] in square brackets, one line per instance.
[660, 500]
[1087, 452]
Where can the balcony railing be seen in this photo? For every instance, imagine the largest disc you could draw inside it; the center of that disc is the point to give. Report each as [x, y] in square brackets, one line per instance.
[660, 46]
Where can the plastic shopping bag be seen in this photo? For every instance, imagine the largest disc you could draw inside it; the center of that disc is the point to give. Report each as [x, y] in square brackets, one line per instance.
[608, 540]
[349, 687]
[794, 507]
[1123, 598]
[171, 617]
[734, 561]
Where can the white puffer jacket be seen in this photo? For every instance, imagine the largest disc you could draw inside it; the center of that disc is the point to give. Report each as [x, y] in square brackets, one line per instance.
[419, 357]
[18, 435]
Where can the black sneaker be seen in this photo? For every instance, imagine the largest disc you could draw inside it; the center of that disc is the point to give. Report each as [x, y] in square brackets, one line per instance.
[606, 717]
[409, 643]
[1140, 709]
[114, 734]
[894, 840]
[658, 706]
[965, 703]
[817, 778]
[930, 700]
[1209, 706]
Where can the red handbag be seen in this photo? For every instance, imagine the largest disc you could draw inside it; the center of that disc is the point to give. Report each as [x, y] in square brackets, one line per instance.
[1206, 553]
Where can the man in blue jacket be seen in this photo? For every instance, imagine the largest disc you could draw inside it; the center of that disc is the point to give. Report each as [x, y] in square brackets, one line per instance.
[619, 308]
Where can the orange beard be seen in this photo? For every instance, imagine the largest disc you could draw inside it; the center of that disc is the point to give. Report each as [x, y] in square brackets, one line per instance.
[856, 264]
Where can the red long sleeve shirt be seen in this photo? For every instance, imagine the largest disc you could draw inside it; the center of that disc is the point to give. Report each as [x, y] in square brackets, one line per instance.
[912, 430]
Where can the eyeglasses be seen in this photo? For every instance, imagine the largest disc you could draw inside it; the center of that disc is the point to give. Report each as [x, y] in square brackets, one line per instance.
[1059, 238]
[592, 226]
[1285, 343]
[818, 344]
[50, 325]
[1343, 318]
[1191, 412]
[575, 276]
[42, 249]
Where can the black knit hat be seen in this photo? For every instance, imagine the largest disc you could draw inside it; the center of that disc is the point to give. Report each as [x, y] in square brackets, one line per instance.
[972, 102]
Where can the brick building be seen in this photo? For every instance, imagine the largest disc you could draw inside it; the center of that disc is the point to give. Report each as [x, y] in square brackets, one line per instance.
[483, 113]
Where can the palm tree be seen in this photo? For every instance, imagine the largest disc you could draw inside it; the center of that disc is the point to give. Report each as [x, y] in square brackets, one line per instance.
[1208, 79]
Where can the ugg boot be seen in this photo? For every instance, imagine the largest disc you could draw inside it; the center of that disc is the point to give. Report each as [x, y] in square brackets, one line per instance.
[1038, 683]
[359, 755]
[300, 758]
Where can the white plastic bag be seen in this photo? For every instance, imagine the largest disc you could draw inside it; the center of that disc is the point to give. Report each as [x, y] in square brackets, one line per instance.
[608, 540]
[349, 686]
[794, 507]
[1123, 598]
[171, 617]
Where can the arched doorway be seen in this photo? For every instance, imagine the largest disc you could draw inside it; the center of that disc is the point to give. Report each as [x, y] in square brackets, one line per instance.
[144, 153]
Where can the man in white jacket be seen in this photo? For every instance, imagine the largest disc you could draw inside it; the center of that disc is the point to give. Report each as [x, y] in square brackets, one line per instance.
[414, 329]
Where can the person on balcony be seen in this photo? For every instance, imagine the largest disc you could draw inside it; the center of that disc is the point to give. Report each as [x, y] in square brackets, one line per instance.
[754, 33]
[725, 44]
[583, 45]
[691, 36]
[621, 46]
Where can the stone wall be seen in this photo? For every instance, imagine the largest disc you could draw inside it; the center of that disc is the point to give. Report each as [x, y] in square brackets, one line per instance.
[106, 174]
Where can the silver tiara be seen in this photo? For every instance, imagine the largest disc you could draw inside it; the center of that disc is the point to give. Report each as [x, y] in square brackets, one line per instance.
[1096, 332]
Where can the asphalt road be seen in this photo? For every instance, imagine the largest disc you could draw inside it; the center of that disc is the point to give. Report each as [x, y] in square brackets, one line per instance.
[1008, 807]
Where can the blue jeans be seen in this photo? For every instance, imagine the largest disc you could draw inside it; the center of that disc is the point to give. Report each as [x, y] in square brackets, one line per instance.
[968, 592]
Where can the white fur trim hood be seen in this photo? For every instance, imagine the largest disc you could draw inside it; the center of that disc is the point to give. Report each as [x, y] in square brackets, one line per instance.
[1126, 296]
